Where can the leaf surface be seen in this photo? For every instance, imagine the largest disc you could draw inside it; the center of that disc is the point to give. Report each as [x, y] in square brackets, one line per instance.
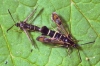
[81, 17]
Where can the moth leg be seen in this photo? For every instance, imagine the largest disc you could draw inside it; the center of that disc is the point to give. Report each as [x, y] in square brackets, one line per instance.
[68, 51]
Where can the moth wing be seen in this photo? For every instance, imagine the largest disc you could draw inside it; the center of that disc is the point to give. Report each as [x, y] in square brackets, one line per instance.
[29, 37]
[49, 40]
[59, 24]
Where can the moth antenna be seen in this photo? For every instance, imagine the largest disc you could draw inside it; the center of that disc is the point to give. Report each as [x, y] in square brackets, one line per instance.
[11, 15]
[12, 19]
[10, 28]
[87, 43]
[83, 44]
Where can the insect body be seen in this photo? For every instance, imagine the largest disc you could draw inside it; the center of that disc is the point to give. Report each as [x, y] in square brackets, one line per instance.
[62, 38]
[53, 34]
[56, 37]
[23, 25]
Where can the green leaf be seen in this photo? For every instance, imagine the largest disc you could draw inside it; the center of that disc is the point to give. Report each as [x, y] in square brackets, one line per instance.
[82, 17]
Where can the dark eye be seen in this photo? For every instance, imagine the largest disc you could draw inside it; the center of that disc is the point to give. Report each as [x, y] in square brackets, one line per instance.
[17, 24]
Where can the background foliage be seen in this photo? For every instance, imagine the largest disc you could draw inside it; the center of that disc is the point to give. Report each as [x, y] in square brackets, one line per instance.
[82, 17]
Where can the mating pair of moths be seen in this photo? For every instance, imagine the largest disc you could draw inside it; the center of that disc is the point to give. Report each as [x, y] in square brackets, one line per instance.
[62, 39]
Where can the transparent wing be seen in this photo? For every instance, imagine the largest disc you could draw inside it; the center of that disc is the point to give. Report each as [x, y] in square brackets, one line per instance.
[29, 37]
[58, 22]
[30, 15]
